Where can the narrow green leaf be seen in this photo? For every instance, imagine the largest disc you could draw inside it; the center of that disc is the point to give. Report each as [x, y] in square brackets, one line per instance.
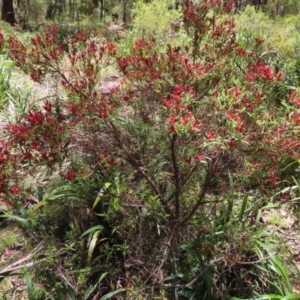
[38, 205]
[109, 295]
[270, 205]
[29, 285]
[94, 228]
[70, 293]
[98, 198]
[258, 217]
[281, 270]
[243, 207]
[92, 245]
[266, 297]
[15, 218]
[291, 296]
[230, 198]
[100, 194]
[40, 193]
[260, 297]
[93, 287]
[107, 184]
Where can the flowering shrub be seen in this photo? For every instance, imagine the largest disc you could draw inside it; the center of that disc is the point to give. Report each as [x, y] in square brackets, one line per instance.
[181, 120]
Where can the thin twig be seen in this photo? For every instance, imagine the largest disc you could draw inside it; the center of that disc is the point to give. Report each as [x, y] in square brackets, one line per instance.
[183, 182]
[269, 53]
[24, 262]
[139, 167]
[176, 176]
[176, 285]
[254, 262]
[211, 169]
[165, 255]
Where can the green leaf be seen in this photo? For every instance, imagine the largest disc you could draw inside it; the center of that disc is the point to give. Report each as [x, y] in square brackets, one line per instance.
[230, 198]
[40, 193]
[70, 293]
[258, 216]
[92, 245]
[291, 296]
[281, 270]
[15, 218]
[109, 295]
[38, 205]
[261, 297]
[243, 208]
[93, 287]
[94, 228]
[29, 285]
[100, 194]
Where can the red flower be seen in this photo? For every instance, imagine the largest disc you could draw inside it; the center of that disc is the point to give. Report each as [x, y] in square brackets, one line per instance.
[15, 190]
[111, 161]
[179, 88]
[259, 41]
[231, 143]
[167, 103]
[172, 120]
[199, 157]
[195, 126]
[211, 135]
[70, 174]
[80, 36]
[236, 92]
[140, 43]
[185, 119]
[35, 118]
[102, 113]
[47, 106]
[265, 71]
[293, 95]
[241, 52]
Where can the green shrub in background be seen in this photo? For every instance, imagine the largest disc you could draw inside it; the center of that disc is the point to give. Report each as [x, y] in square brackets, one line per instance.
[154, 19]
[282, 35]
[275, 8]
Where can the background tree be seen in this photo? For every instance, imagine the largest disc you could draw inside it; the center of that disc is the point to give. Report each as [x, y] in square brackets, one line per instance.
[8, 13]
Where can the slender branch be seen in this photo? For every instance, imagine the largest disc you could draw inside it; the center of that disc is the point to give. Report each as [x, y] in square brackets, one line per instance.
[176, 175]
[200, 198]
[269, 53]
[254, 262]
[158, 271]
[203, 191]
[210, 265]
[139, 167]
[8, 272]
[22, 262]
[183, 183]
[155, 188]
[27, 261]
[77, 90]
[197, 277]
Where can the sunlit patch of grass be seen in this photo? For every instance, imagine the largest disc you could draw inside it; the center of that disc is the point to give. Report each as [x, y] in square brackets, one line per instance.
[275, 218]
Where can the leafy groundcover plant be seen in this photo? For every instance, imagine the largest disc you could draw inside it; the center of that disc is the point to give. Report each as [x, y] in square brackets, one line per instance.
[155, 174]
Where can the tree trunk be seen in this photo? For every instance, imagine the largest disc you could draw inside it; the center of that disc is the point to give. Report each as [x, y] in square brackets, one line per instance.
[124, 10]
[51, 10]
[96, 3]
[101, 9]
[8, 13]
